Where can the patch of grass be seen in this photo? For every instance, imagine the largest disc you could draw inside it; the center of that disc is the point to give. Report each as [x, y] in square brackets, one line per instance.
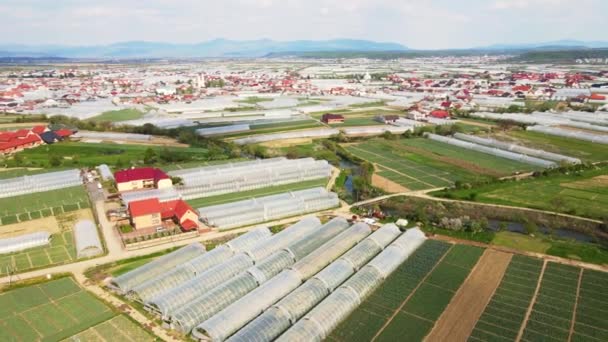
[584, 150]
[118, 115]
[255, 100]
[368, 104]
[42, 200]
[521, 242]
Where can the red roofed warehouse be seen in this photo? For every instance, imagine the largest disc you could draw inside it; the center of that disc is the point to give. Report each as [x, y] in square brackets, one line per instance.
[141, 178]
[440, 114]
[332, 119]
[150, 213]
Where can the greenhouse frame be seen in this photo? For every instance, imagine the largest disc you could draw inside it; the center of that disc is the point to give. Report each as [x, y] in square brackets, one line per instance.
[325, 317]
[522, 158]
[281, 315]
[126, 282]
[268, 208]
[203, 308]
[191, 268]
[105, 172]
[39, 183]
[249, 175]
[87, 240]
[166, 302]
[23, 242]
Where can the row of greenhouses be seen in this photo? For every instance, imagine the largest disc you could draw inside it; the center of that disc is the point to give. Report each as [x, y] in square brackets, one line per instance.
[492, 151]
[23, 242]
[249, 175]
[568, 133]
[592, 122]
[205, 132]
[268, 208]
[38, 183]
[260, 287]
[517, 148]
[112, 136]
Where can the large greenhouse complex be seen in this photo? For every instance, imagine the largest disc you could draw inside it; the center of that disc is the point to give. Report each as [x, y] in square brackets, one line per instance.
[39, 183]
[249, 175]
[268, 208]
[297, 284]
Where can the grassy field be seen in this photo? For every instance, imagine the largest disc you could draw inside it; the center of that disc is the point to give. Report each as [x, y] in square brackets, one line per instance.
[584, 194]
[412, 170]
[506, 311]
[119, 329]
[273, 190]
[49, 311]
[60, 251]
[406, 306]
[118, 115]
[42, 204]
[584, 150]
[89, 154]
[255, 100]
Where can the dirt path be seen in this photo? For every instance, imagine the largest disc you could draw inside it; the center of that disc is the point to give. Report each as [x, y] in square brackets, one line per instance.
[458, 320]
[520, 334]
[578, 292]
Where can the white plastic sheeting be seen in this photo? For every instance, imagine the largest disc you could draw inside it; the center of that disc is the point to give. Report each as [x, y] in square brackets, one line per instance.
[304, 134]
[105, 172]
[517, 148]
[248, 175]
[560, 132]
[38, 183]
[229, 320]
[522, 158]
[220, 297]
[549, 119]
[280, 316]
[23, 242]
[163, 195]
[376, 130]
[325, 317]
[112, 136]
[166, 302]
[263, 209]
[191, 268]
[87, 240]
[205, 132]
[125, 283]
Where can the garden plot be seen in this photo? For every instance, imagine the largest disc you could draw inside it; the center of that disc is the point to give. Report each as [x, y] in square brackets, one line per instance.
[117, 329]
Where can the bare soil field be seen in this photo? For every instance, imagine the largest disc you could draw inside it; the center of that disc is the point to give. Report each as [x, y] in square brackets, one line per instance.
[387, 184]
[458, 320]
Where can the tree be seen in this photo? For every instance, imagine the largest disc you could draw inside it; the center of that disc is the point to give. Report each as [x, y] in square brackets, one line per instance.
[530, 227]
[149, 156]
[54, 160]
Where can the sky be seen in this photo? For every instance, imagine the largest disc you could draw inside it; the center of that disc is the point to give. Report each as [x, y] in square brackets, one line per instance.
[418, 24]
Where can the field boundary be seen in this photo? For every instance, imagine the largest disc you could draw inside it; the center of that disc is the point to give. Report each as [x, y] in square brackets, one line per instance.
[520, 334]
[578, 292]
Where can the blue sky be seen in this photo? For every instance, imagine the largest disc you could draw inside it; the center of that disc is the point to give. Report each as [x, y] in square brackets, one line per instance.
[420, 24]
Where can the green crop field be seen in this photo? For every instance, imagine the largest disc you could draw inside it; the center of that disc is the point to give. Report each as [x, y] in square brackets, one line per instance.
[272, 190]
[42, 204]
[276, 127]
[49, 311]
[60, 251]
[584, 150]
[580, 193]
[592, 308]
[117, 329]
[409, 169]
[118, 115]
[484, 163]
[504, 314]
[407, 304]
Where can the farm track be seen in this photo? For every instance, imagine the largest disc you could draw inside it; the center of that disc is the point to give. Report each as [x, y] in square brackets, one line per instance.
[532, 302]
[459, 318]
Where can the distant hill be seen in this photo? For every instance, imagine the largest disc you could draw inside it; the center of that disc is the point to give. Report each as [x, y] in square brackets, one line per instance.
[552, 45]
[213, 48]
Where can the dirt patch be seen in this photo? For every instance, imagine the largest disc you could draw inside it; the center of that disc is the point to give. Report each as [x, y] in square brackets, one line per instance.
[458, 320]
[287, 142]
[582, 130]
[46, 224]
[387, 184]
[475, 123]
[588, 184]
[456, 162]
[22, 125]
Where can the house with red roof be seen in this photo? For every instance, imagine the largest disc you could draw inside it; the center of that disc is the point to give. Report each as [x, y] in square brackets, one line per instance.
[141, 178]
[440, 114]
[151, 213]
[18, 144]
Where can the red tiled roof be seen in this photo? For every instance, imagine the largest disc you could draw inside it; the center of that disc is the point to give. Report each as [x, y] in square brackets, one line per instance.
[38, 129]
[189, 225]
[64, 132]
[181, 208]
[441, 114]
[145, 207]
[143, 173]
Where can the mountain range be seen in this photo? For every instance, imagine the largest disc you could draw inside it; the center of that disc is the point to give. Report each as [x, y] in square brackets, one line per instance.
[247, 48]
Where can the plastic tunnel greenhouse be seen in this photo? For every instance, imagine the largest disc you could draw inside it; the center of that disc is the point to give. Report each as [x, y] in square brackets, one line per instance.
[126, 282]
[23, 242]
[325, 317]
[311, 133]
[87, 239]
[280, 316]
[580, 135]
[39, 183]
[220, 297]
[166, 302]
[232, 318]
[191, 268]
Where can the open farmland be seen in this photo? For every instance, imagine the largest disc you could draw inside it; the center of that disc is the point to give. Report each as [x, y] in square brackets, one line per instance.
[43, 204]
[354, 117]
[117, 329]
[582, 193]
[118, 115]
[412, 170]
[410, 301]
[584, 150]
[49, 311]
